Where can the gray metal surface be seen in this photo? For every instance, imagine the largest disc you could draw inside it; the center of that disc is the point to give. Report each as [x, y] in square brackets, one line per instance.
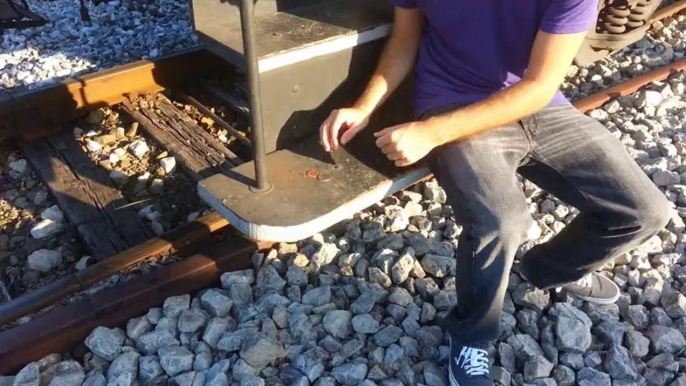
[299, 205]
[218, 24]
[296, 98]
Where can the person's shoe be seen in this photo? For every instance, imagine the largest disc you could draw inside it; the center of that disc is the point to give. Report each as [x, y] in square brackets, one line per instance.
[469, 366]
[594, 288]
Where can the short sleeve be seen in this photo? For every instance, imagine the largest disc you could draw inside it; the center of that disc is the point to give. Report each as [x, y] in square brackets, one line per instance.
[569, 16]
[404, 3]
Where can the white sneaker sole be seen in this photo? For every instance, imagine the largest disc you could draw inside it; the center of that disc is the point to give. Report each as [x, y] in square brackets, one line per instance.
[590, 299]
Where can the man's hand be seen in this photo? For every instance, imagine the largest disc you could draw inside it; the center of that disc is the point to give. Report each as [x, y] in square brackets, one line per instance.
[407, 143]
[351, 121]
[395, 63]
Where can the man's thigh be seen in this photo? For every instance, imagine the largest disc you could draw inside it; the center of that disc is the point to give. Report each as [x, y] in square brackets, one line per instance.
[581, 162]
[479, 176]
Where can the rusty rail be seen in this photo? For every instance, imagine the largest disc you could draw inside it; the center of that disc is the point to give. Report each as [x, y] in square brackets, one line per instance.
[63, 328]
[629, 87]
[33, 113]
[54, 292]
[670, 10]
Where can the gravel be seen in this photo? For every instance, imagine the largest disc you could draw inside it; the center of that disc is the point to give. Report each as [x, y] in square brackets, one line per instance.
[664, 44]
[145, 174]
[120, 32]
[36, 244]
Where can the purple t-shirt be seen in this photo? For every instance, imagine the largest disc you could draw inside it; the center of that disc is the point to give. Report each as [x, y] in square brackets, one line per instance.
[474, 48]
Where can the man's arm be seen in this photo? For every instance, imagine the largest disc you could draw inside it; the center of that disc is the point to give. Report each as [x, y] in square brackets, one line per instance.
[394, 65]
[550, 59]
[396, 60]
[551, 56]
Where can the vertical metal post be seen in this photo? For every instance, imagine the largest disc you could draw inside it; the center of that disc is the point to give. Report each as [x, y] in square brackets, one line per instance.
[253, 72]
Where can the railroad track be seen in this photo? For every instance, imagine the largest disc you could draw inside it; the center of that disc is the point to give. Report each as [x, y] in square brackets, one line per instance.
[35, 117]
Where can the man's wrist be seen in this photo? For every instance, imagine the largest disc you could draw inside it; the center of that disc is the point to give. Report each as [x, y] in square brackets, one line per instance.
[365, 107]
[437, 129]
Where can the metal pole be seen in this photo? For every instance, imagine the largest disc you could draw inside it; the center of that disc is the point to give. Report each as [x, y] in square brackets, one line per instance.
[253, 72]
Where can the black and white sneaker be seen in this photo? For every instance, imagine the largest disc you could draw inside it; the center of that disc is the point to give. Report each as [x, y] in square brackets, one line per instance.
[469, 366]
[594, 288]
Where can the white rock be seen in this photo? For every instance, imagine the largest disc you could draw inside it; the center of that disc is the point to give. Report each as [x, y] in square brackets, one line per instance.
[53, 213]
[46, 228]
[154, 216]
[156, 186]
[18, 166]
[665, 178]
[146, 211]
[157, 228]
[82, 263]
[120, 132]
[143, 178]
[93, 146]
[599, 114]
[41, 198]
[648, 98]
[534, 232]
[168, 164]
[120, 178]
[44, 260]
[114, 159]
[612, 107]
[139, 148]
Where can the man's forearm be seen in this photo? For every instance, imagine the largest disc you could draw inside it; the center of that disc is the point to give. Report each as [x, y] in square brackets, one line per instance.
[547, 68]
[500, 109]
[395, 64]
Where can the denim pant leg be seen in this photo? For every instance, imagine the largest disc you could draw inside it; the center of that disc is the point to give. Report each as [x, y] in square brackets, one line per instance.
[578, 160]
[479, 177]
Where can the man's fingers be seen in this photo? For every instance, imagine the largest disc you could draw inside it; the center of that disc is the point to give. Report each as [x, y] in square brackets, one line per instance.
[395, 156]
[390, 137]
[402, 163]
[384, 141]
[390, 148]
[334, 129]
[349, 134]
[386, 131]
[324, 134]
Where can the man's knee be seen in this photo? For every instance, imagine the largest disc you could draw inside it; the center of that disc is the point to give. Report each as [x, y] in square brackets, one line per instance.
[652, 215]
[510, 228]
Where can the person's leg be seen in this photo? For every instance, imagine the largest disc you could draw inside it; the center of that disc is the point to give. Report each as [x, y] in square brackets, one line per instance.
[576, 159]
[479, 177]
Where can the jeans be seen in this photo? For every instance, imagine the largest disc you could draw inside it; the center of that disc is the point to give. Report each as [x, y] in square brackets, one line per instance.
[571, 156]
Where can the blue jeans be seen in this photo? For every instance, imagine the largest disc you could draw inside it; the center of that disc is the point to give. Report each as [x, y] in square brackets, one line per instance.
[571, 156]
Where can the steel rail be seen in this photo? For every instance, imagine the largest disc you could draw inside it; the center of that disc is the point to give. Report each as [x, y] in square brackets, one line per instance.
[628, 87]
[63, 328]
[54, 292]
[40, 112]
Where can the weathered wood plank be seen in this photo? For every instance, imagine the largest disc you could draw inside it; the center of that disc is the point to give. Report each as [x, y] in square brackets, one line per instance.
[86, 196]
[236, 104]
[197, 151]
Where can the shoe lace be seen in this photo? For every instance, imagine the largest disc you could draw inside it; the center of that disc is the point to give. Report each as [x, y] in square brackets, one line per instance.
[474, 361]
[586, 281]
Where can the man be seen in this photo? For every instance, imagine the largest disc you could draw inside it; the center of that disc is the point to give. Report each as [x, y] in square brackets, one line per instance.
[487, 97]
